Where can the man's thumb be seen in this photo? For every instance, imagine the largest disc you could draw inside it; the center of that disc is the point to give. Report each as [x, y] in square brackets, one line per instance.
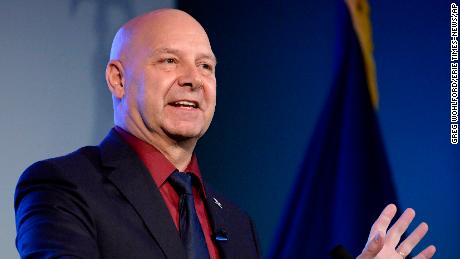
[373, 247]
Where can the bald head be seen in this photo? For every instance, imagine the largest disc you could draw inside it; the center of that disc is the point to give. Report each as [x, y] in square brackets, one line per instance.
[140, 30]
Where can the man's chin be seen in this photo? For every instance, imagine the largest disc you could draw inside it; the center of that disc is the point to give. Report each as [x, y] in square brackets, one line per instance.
[181, 136]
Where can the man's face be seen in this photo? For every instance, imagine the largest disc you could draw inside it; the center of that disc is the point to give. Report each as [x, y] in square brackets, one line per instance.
[170, 81]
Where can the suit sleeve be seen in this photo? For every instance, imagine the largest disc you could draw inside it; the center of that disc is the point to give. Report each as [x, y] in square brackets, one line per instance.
[52, 218]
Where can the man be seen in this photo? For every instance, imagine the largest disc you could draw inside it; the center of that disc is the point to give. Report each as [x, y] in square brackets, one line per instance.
[139, 194]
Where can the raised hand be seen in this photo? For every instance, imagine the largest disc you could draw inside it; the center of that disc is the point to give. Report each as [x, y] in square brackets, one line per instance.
[383, 244]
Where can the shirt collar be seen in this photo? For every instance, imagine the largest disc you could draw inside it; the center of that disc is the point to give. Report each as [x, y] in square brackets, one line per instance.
[159, 167]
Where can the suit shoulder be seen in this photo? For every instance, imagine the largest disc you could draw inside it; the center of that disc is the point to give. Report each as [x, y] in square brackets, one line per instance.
[57, 167]
[63, 173]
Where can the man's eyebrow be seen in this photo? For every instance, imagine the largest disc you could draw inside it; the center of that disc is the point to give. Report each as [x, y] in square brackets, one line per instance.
[166, 50]
[210, 56]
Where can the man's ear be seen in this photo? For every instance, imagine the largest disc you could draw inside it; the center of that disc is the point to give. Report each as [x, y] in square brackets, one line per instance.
[114, 75]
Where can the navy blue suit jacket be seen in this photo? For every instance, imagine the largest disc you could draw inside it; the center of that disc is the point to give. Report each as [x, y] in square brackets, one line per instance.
[101, 202]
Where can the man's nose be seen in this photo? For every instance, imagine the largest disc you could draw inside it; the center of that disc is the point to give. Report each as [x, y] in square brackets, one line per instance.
[190, 77]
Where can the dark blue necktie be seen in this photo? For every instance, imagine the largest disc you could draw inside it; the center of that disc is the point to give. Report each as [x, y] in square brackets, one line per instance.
[189, 225]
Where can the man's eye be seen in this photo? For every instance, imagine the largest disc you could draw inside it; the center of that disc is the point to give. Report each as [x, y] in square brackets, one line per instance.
[207, 67]
[169, 61]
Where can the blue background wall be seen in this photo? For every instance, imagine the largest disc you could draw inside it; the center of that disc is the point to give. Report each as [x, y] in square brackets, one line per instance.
[274, 72]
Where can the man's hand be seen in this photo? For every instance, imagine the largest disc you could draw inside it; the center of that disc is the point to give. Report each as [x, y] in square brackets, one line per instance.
[385, 246]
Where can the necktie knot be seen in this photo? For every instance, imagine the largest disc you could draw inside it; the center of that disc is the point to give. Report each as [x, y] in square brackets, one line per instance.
[182, 182]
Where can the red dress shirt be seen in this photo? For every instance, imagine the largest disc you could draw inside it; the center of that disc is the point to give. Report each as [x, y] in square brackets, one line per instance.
[160, 168]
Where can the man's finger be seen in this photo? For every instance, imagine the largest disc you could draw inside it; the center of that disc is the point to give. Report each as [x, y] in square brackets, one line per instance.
[373, 246]
[399, 227]
[383, 221]
[426, 253]
[412, 240]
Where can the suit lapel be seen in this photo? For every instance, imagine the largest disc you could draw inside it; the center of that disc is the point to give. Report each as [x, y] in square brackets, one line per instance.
[221, 229]
[133, 180]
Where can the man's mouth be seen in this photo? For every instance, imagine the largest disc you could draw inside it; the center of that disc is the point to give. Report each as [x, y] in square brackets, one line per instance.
[185, 104]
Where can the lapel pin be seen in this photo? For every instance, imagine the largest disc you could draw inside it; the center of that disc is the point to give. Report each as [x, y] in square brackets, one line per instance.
[217, 202]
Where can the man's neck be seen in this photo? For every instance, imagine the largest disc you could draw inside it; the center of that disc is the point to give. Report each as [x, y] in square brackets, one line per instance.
[178, 153]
